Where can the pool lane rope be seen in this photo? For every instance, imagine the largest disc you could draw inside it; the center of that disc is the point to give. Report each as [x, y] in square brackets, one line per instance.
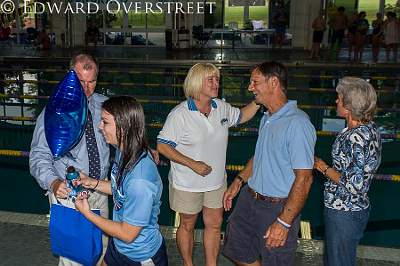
[184, 73]
[233, 131]
[229, 167]
[169, 85]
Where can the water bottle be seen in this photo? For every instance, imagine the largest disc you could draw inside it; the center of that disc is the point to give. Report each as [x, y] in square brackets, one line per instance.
[72, 176]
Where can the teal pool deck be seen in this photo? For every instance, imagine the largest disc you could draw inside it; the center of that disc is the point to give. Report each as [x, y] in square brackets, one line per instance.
[23, 206]
[25, 241]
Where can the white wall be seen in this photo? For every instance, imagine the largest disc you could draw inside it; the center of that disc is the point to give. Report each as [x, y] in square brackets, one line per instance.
[302, 14]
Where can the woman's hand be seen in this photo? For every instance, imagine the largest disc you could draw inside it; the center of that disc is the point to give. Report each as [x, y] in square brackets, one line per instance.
[86, 181]
[82, 204]
[155, 155]
[231, 193]
[319, 164]
[201, 168]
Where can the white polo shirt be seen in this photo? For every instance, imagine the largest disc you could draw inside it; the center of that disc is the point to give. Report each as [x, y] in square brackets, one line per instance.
[200, 138]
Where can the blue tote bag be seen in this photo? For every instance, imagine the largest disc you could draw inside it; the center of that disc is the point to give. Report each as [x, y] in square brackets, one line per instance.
[73, 236]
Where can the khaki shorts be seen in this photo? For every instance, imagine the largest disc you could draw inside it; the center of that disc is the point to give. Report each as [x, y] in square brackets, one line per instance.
[193, 202]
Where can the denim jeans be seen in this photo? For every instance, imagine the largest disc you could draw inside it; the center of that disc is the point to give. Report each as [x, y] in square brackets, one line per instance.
[343, 231]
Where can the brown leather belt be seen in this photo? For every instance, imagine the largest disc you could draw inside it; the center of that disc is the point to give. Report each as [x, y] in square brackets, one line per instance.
[258, 196]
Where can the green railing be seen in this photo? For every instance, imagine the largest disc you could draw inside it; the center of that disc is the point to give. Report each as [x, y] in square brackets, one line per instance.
[24, 92]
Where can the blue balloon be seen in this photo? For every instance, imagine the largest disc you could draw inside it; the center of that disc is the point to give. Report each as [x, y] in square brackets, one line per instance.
[65, 115]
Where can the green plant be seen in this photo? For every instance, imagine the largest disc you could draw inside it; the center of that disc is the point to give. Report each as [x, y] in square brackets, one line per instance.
[247, 24]
[393, 7]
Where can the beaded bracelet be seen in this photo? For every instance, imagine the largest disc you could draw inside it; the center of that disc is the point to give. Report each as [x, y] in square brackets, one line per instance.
[326, 169]
[240, 179]
[98, 181]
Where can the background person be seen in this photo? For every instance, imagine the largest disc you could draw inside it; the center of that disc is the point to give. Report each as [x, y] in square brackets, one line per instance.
[92, 34]
[4, 32]
[338, 23]
[360, 37]
[351, 32]
[319, 27]
[377, 36]
[391, 35]
[279, 24]
[44, 39]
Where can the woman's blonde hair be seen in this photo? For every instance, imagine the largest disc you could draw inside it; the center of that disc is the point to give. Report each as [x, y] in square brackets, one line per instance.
[359, 97]
[194, 79]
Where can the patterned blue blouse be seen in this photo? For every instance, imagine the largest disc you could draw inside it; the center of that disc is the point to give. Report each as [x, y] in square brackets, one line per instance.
[356, 154]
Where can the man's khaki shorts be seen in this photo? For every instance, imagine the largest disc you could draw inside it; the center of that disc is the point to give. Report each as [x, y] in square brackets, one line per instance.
[193, 202]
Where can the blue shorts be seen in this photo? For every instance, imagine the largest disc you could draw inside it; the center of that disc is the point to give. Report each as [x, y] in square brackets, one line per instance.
[337, 37]
[280, 30]
[114, 258]
[244, 235]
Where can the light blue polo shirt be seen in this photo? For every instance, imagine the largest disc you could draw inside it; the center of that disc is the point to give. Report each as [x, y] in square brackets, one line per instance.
[137, 202]
[286, 141]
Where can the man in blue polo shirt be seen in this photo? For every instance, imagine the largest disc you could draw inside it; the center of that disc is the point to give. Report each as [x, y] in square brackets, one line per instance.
[263, 227]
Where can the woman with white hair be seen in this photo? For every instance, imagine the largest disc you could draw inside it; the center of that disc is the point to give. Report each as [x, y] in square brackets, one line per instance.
[356, 155]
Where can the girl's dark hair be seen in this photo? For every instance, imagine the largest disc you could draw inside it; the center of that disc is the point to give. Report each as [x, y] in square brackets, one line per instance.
[130, 131]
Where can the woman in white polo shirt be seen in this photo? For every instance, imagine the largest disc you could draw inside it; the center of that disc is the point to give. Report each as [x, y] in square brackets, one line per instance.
[195, 138]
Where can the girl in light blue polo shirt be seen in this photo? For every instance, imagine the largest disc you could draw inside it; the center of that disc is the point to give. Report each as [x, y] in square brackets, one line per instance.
[135, 185]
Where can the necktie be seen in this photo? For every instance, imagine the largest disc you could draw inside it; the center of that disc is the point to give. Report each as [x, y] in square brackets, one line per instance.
[93, 151]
